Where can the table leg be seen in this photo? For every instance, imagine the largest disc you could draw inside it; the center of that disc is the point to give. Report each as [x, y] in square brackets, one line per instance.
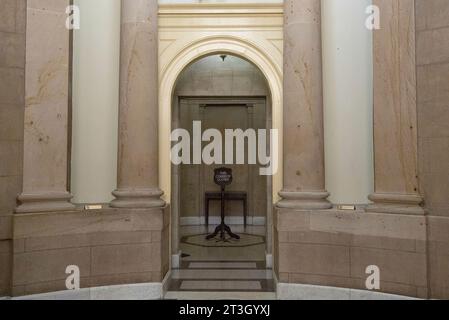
[245, 212]
[206, 211]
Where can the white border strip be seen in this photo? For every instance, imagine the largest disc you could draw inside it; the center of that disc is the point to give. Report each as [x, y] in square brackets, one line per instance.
[289, 291]
[141, 291]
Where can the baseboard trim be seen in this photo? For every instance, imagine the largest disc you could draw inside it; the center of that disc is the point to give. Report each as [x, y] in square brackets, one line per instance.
[165, 284]
[199, 221]
[269, 260]
[176, 260]
[289, 291]
[140, 291]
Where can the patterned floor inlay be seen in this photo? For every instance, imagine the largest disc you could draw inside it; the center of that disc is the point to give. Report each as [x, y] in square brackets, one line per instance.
[221, 295]
[222, 265]
[221, 285]
[213, 276]
[221, 274]
[246, 240]
[222, 270]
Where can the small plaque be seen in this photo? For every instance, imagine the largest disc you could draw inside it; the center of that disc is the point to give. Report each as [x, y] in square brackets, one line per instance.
[223, 176]
[347, 207]
[93, 207]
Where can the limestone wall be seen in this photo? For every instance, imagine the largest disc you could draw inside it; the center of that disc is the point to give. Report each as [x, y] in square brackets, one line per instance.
[334, 248]
[432, 56]
[110, 247]
[12, 63]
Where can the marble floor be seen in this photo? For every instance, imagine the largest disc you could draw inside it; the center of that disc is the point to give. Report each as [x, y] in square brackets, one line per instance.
[212, 269]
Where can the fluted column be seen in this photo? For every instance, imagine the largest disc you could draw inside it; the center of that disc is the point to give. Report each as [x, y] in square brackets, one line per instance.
[395, 118]
[46, 108]
[137, 179]
[304, 185]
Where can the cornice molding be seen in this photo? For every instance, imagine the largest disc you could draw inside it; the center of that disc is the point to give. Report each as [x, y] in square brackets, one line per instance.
[221, 9]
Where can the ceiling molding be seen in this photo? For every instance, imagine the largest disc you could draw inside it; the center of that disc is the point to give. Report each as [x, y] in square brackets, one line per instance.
[221, 8]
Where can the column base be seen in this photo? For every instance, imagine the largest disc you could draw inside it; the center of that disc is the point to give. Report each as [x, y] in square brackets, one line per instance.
[44, 202]
[312, 200]
[138, 198]
[408, 204]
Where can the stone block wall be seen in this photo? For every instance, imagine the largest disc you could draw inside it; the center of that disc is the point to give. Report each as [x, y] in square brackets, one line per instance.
[110, 246]
[432, 58]
[12, 82]
[334, 248]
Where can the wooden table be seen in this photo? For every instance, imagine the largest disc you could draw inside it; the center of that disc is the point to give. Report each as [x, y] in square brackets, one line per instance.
[229, 196]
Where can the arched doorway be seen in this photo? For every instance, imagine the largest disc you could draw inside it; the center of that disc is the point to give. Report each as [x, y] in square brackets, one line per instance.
[218, 94]
[171, 65]
[184, 39]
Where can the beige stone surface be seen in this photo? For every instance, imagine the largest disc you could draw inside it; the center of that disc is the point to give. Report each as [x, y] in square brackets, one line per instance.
[126, 278]
[7, 16]
[395, 118]
[334, 248]
[324, 259]
[12, 92]
[42, 266]
[433, 96]
[78, 222]
[46, 108]
[303, 108]
[6, 227]
[439, 257]
[137, 181]
[12, 51]
[5, 266]
[110, 246]
[129, 258]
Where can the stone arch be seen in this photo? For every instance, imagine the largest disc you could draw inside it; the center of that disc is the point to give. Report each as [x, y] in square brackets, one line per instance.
[261, 57]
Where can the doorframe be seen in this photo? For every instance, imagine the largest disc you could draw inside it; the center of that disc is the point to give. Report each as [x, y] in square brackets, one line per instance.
[175, 178]
[190, 32]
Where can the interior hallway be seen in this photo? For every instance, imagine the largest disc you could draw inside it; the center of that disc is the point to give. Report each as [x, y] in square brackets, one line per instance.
[221, 270]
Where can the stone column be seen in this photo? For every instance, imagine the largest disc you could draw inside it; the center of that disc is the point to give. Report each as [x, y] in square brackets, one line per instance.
[137, 179]
[395, 119]
[304, 186]
[348, 100]
[46, 108]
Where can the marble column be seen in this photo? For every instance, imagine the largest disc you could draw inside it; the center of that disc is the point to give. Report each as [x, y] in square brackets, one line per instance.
[137, 181]
[304, 185]
[348, 101]
[395, 115]
[46, 108]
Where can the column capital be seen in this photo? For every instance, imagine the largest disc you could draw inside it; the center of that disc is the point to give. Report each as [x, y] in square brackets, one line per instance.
[138, 198]
[304, 200]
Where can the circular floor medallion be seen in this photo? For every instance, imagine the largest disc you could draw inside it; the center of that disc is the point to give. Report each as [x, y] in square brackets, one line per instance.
[246, 240]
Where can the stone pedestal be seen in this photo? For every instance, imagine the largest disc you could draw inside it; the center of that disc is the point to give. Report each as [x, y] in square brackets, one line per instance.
[138, 114]
[46, 109]
[395, 119]
[304, 186]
